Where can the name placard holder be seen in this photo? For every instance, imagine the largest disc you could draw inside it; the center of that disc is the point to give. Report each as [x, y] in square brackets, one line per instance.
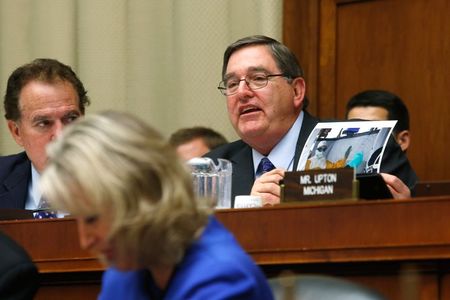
[330, 184]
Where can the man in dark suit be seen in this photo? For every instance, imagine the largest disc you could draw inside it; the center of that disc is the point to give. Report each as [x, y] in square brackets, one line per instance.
[266, 102]
[381, 105]
[41, 98]
[19, 278]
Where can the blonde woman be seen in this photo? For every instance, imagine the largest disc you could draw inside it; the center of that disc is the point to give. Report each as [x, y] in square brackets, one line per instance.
[135, 207]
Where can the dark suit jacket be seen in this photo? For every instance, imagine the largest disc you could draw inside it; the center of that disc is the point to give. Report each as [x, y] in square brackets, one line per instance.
[15, 174]
[19, 278]
[240, 154]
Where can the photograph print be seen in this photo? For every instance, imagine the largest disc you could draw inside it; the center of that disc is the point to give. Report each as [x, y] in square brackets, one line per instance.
[356, 144]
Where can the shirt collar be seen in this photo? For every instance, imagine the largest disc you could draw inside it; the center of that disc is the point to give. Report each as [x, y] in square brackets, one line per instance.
[282, 155]
[34, 193]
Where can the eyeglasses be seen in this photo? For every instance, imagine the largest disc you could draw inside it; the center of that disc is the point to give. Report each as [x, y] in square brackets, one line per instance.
[254, 81]
[322, 149]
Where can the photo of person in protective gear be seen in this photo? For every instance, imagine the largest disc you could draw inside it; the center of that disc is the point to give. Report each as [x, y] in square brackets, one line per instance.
[319, 159]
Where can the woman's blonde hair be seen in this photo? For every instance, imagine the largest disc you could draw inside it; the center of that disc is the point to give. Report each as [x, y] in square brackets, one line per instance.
[114, 164]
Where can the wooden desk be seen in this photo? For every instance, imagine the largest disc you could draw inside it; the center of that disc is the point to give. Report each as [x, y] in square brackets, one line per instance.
[64, 267]
[384, 244]
[394, 246]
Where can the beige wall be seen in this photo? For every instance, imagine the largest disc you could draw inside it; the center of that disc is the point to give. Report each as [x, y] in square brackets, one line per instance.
[158, 59]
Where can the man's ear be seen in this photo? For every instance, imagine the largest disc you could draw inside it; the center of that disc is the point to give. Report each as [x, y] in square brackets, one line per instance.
[299, 91]
[15, 132]
[403, 139]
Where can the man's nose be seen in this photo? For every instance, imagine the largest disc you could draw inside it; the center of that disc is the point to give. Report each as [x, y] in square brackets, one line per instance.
[244, 91]
[57, 129]
[243, 84]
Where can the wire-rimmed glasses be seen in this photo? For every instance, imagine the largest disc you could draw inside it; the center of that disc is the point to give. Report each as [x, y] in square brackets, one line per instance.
[254, 81]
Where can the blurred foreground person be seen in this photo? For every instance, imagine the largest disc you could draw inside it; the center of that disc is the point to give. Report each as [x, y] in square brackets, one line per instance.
[135, 207]
[19, 277]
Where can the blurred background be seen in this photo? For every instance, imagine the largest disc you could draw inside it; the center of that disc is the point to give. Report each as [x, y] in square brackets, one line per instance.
[160, 60]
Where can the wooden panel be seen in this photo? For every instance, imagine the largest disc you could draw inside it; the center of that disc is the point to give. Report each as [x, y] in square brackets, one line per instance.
[402, 286]
[65, 269]
[53, 244]
[327, 60]
[432, 188]
[376, 243]
[344, 231]
[397, 45]
[72, 291]
[402, 46]
[300, 34]
[445, 284]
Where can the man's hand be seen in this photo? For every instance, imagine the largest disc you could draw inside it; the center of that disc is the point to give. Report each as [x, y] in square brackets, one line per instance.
[267, 187]
[398, 189]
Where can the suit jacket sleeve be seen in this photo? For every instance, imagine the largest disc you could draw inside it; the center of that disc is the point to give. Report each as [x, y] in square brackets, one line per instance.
[15, 175]
[396, 163]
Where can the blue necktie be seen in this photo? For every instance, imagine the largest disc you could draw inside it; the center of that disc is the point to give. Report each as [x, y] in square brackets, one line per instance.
[44, 211]
[265, 165]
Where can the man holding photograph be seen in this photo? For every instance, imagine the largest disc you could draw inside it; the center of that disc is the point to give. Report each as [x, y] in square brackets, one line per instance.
[266, 102]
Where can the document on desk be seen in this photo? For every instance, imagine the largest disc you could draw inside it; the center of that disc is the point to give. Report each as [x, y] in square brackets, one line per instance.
[356, 144]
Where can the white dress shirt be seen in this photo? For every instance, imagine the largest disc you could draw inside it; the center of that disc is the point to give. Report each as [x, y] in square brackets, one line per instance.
[282, 155]
[34, 194]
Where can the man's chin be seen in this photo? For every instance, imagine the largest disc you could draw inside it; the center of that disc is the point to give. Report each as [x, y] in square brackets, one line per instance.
[251, 131]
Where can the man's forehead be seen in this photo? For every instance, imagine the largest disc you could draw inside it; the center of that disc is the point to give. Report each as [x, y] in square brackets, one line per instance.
[251, 57]
[42, 96]
[52, 113]
[373, 113]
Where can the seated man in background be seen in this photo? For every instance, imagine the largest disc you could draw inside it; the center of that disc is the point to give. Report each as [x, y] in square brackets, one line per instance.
[19, 277]
[263, 82]
[41, 98]
[376, 105]
[196, 141]
[136, 208]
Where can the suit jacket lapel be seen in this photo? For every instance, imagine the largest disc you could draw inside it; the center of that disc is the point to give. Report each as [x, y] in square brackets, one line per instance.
[243, 172]
[16, 185]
